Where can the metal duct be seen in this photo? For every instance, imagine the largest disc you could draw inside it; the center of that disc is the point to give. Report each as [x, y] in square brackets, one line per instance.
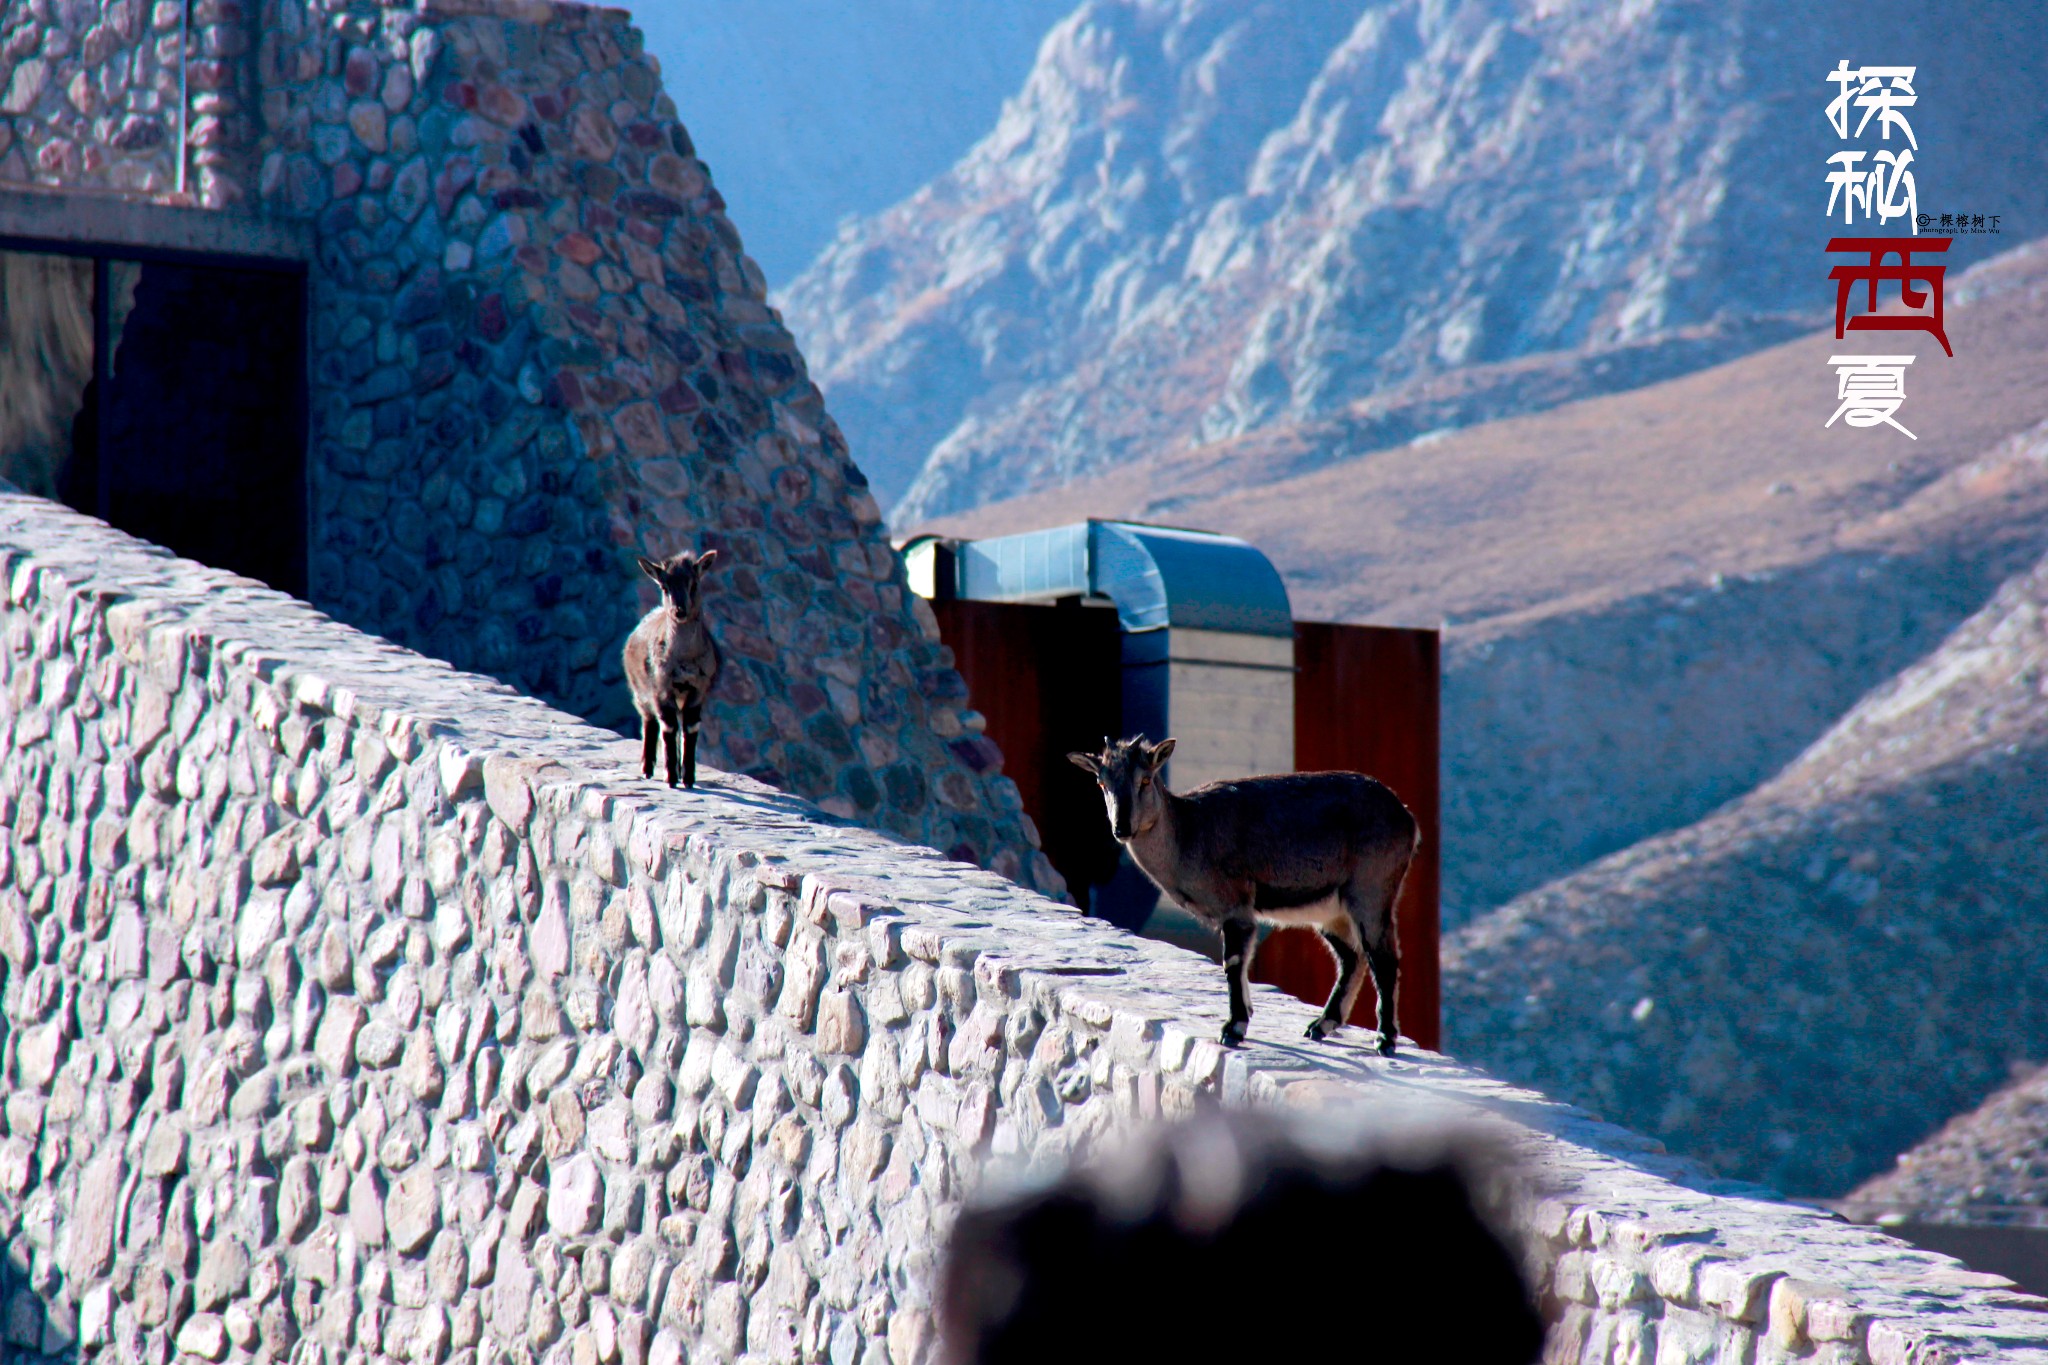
[1208, 634]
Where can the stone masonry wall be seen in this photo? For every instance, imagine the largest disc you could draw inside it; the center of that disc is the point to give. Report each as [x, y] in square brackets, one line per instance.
[112, 95]
[540, 348]
[537, 348]
[90, 94]
[356, 1008]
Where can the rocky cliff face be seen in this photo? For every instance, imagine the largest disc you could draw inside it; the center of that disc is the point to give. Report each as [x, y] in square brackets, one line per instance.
[1814, 977]
[1201, 217]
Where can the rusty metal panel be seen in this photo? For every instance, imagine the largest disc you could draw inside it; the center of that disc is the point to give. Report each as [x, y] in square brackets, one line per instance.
[1365, 699]
[1048, 679]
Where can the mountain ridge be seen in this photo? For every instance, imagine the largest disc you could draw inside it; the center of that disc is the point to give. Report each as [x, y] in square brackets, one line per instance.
[1182, 229]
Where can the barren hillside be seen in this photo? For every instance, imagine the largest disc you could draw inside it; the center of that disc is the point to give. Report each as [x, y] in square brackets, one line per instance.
[1813, 978]
[1989, 1165]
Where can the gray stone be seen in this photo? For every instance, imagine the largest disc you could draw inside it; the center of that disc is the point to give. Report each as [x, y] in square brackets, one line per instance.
[164, 1154]
[448, 1266]
[667, 1349]
[384, 943]
[451, 924]
[725, 1320]
[126, 948]
[632, 1011]
[632, 1271]
[610, 1131]
[865, 1150]
[506, 789]
[223, 1273]
[23, 89]
[421, 1067]
[17, 934]
[540, 1017]
[804, 972]
[387, 872]
[841, 1028]
[550, 1067]
[39, 1052]
[704, 997]
[335, 1041]
[652, 1096]
[312, 1124]
[204, 1335]
[379, 1044]
[575, 1196]
[665, 991]
[297, 1200]
[839, 1098]
[94, 1216]
[96, 1316]
[23, 1326]
[255, 1098]
[549, 943]
[366, 1208]
[734, 1076]
[413, 1212]
[335, 964]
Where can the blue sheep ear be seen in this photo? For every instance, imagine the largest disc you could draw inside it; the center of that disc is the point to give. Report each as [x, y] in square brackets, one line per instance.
[649, 567]
[1160, 753]
[706, 560]
[1086, 761]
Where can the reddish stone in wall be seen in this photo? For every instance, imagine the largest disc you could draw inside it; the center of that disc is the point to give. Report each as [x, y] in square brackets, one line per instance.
[359, 72]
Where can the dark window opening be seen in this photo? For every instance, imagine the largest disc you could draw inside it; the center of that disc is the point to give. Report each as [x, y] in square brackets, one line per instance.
[165, 395]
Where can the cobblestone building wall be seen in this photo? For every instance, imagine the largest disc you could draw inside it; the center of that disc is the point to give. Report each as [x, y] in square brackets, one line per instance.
[354, 1009]
[537, 348]
[90, 95]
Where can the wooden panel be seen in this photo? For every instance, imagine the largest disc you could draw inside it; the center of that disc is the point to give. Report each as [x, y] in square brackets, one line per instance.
[1366, 700]
[1048, 679]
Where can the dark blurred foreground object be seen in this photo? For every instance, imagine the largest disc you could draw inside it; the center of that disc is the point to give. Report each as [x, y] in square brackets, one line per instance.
[1228, 1238]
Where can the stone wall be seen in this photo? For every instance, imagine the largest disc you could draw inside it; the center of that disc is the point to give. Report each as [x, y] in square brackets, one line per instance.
[141, 97]
[537, 348]
[356, 1005]
[90, 94]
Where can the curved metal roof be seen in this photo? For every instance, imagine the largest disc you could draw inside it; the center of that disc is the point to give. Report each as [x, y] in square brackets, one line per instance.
[1157, 576]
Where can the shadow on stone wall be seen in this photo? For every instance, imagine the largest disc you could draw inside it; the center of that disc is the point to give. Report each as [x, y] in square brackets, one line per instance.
[29, 1332]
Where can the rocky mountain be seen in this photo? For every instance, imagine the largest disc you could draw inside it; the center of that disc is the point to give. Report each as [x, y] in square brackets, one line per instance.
[1201, 218]
[1653, 600]
[810, 111]
[1987, 1166]
[1816, 976]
